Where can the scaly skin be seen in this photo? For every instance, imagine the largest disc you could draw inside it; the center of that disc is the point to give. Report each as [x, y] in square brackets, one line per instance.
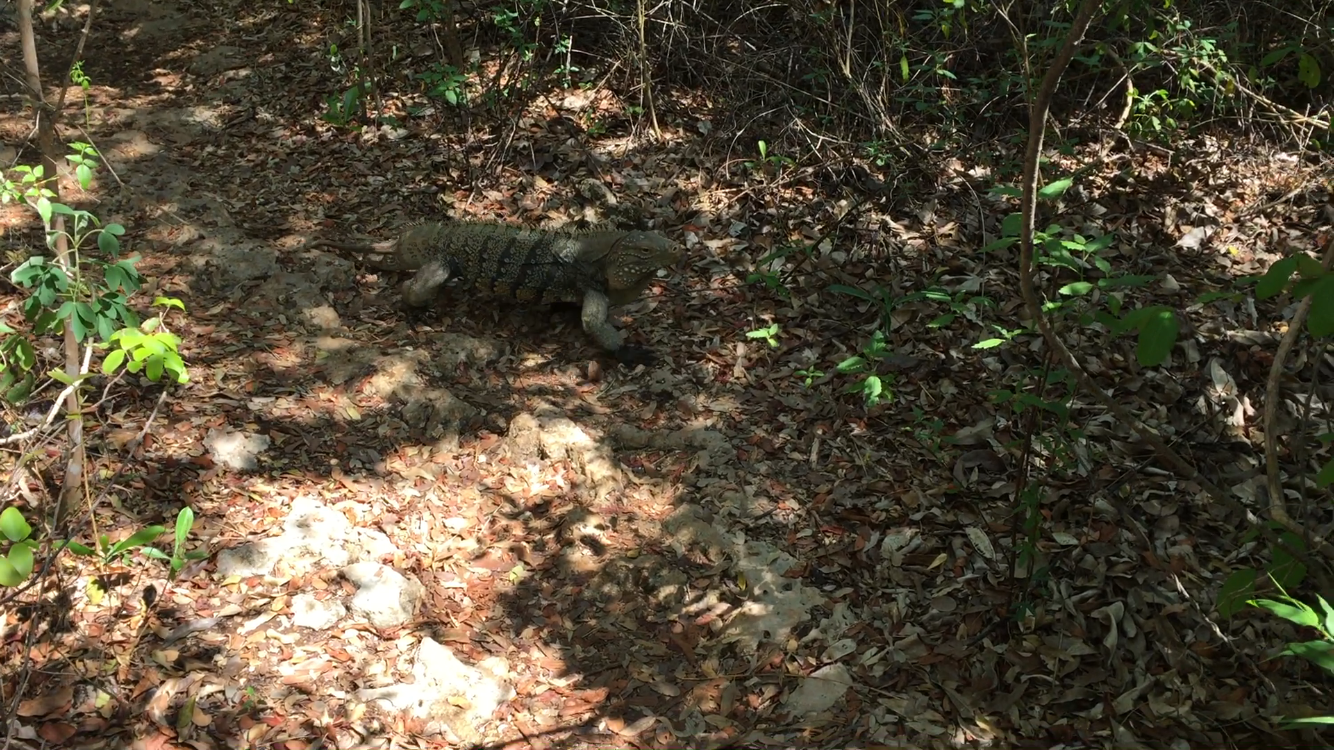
[596, 269]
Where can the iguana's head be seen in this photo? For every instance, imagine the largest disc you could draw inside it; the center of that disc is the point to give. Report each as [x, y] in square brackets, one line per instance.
[634, 260]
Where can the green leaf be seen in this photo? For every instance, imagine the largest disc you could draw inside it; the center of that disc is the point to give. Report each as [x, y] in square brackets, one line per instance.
[1157, 336]
[1308, 267]
[1011, 225]
[1293, 723]
[1329, 615]
[1076, 289]
[1326, 476]
[185, 520]
[138, 539]
[20, 556]
[105, 327]
[1298, 614]
[25, 354]
[851, 291]
[1056, 189]
[78, 549]
[28, 272]
[1321, 319]
[19, 393]
[1286, 570]
[13, 525]
[87, 315]
[113, 362]
[1236, 592]
[1101, 242]
[851, 364]
[129, 338]
[107, 243]
[941, 321]
[1208, 297]
[1308, 70]
[1275, 56]
[874, 388]
[1320, 653]
[9, 577]
[1276, 278]
[999, 244]
[176, 368]
[988, 343]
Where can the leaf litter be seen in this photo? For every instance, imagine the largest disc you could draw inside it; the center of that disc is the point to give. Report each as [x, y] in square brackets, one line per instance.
[730, 556]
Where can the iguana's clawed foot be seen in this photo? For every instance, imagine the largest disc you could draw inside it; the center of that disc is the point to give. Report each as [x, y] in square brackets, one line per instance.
[633, 356]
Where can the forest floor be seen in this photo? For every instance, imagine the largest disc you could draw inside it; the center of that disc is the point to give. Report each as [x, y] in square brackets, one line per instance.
[900, 516]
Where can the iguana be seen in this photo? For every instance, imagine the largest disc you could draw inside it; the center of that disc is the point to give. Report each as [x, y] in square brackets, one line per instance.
[595, 268]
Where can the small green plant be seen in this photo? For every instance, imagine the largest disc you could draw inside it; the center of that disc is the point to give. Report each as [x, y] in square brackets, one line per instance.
[565, 48]
[767, 271]
[16, 564]
[1006, 335]
[445, 82]
[17, 561]
[109, 552]
[341, 111]
[810, 374]
[250, 701]
[1155, 326]
[881, 297]
[427, 10]
[185, 521]
[962, 302]
[510, 21]
[17, 360]
[92, 293]
[769, 334]
[773, 163]
[873, 387]
[1319, 652]
[929, 431]
[81, 79]
[149, 348]
[594, 124]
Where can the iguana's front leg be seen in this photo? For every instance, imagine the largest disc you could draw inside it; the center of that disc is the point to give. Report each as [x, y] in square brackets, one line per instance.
[594, 316]
[420, 290]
